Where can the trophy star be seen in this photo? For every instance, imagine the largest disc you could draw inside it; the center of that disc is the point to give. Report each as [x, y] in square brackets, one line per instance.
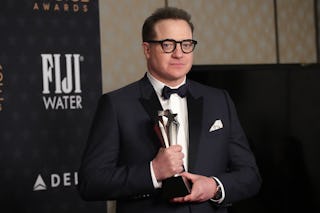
[171, 116]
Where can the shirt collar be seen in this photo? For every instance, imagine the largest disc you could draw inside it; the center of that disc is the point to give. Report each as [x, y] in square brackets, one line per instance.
[158, 85]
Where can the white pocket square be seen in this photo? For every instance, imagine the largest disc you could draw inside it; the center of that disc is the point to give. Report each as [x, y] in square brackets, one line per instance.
[216, 125]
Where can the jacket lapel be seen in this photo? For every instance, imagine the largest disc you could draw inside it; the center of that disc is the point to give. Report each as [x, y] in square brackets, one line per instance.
[150, 103]
[149, 98]
[195, 108]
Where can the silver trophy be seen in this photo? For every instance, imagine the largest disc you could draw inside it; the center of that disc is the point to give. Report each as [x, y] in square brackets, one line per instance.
[176, 186]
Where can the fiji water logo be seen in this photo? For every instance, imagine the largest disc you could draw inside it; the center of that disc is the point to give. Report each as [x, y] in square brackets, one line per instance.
[61, 81]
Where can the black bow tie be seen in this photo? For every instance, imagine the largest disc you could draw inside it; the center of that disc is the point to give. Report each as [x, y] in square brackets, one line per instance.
[181, 91]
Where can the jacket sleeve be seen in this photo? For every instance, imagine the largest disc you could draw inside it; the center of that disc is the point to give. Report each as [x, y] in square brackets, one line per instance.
[242, 178]
[101, 177]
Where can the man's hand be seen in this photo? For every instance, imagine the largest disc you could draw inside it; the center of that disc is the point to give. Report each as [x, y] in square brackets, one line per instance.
[168, 162]
[203, 188]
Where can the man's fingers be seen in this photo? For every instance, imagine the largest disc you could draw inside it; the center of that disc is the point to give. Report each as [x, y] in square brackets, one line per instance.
[188, 175]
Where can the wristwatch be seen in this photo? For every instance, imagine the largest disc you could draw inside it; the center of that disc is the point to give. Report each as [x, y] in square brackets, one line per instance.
[218, 195]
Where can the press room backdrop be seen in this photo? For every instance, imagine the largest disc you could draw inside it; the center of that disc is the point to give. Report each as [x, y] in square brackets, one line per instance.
[50, 80]
[58, 56]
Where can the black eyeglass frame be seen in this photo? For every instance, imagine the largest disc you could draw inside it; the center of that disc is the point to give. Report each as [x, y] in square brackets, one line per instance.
[194, 42]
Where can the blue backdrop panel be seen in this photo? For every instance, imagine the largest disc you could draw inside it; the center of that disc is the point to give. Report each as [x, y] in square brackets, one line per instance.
[50, 81]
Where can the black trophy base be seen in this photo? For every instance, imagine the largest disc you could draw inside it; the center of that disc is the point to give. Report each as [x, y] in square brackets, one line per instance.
[176, 186]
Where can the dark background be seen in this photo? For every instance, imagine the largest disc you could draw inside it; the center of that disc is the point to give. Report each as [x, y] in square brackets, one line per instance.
[278, 106]
[35, 140]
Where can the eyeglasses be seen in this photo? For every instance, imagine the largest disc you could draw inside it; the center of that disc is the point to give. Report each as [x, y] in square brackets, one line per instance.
[169, 45]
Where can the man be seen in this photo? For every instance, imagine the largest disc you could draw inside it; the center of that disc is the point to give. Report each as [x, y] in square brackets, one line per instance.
[124, 160]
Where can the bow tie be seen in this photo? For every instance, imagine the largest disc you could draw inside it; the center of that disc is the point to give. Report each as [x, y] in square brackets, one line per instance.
[181, 91]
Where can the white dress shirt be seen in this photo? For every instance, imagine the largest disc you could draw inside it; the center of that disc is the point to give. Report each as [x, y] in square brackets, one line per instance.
[177, 105]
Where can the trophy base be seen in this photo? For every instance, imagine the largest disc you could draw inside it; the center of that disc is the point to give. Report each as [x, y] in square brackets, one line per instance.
[176, 186]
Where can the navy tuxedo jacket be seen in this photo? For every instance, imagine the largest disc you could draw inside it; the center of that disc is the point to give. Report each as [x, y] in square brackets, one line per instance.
[122, 142]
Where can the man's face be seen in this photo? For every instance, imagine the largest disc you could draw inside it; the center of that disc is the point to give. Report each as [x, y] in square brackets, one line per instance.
[169, 68]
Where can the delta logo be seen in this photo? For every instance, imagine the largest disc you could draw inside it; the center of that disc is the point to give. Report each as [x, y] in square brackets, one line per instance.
[56, 180]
